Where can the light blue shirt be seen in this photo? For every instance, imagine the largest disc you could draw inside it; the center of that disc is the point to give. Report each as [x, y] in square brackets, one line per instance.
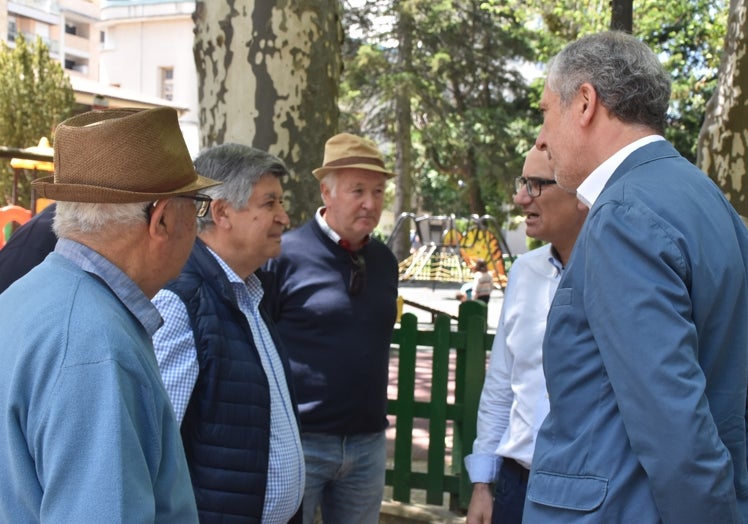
[177, 359]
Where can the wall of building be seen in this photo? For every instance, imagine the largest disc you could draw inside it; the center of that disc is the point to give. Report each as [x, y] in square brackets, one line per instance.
[142, 40]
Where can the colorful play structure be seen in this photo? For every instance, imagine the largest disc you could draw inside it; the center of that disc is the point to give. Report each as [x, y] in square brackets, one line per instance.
[34, 159]
[444, 248]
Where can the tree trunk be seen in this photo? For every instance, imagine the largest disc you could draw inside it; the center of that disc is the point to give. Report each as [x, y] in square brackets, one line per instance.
[622, 15]
[404, 162]
[723, 139]
[475, 198]
[268, 77]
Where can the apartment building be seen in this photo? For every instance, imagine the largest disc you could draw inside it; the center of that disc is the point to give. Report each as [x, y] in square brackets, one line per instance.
[117, 53]
[147, 48]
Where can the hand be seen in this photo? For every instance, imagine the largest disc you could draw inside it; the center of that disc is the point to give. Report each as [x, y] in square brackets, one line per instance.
[481, 504]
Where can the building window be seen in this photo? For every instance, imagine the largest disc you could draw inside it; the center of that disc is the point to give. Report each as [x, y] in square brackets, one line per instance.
[167, 83]
[12, 28]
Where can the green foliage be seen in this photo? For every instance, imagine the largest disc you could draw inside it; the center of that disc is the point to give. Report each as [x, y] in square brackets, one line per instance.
[687, 35]
[35, 95]
[474, 110]
[471, 113]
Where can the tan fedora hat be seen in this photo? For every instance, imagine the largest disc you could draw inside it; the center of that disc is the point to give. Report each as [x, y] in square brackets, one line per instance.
[351, 151]
[119, 156]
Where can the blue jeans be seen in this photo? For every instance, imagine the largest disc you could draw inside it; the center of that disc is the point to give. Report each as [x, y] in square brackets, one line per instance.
[509, 497]
[344, 477]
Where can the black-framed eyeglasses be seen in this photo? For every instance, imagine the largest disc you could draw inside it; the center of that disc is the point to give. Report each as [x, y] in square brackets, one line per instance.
[357, 280]
[202, 203]
[533, 185]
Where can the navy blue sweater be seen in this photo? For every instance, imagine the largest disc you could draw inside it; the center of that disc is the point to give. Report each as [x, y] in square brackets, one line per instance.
[338, 344]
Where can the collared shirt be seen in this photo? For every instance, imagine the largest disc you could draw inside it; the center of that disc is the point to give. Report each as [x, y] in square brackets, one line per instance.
[325, 226]
[593, 185]
[514, 400]
[330, 232]
[123, 286]
[177, 358]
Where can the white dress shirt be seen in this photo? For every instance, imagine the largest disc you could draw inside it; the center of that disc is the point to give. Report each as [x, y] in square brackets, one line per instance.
[514, 400]
[593, 185]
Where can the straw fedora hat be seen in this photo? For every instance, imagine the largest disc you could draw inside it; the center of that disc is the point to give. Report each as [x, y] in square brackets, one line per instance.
[120, 156]
[351, 151]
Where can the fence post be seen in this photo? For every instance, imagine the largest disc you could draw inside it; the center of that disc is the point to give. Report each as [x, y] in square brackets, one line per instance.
[406, 378]
[438, 410]
[469, 375]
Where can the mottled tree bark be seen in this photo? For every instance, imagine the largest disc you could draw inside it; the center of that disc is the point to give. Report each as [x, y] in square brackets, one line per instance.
[723, 140]
[268, 77]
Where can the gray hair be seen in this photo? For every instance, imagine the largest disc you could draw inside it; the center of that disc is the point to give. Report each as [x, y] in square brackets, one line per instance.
[239, 167]
[76, 218]
[627, 76]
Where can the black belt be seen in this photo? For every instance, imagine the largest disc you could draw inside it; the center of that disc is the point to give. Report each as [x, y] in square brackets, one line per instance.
[516, 468]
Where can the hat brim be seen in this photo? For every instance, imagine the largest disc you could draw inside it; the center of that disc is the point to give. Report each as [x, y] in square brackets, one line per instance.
[46, 187]
[320, 172]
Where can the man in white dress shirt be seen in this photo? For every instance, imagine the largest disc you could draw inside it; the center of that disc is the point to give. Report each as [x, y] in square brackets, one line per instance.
[514, 401]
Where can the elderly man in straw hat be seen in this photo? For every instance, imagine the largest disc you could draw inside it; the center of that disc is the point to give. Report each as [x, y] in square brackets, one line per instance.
[335, 308]
[88, 432]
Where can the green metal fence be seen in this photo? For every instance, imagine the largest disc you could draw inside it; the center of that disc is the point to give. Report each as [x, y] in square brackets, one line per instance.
[465, 348]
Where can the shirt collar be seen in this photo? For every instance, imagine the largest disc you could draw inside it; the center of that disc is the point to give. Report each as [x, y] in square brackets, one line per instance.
[131, 296]
[593, 185]
[330, 232]
[324, 226]
[252, 284]
[554, 261]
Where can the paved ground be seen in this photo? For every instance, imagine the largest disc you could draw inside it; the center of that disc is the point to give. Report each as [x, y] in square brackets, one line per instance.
[442, 296]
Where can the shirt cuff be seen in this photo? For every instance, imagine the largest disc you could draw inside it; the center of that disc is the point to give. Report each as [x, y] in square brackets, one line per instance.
[482, 467]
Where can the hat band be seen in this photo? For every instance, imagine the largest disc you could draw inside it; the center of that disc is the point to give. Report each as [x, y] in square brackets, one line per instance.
[355, 160]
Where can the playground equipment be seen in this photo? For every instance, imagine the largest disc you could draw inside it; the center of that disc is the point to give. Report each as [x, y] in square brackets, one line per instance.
[9, 215]
[442, 252]
[35, 158]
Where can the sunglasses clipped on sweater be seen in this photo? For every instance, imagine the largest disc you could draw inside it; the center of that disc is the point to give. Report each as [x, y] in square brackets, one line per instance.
[357, 280]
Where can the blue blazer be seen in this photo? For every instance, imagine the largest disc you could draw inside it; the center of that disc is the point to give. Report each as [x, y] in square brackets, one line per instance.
[646, 357]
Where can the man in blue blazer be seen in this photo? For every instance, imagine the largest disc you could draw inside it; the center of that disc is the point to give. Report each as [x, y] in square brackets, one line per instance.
[646, 347]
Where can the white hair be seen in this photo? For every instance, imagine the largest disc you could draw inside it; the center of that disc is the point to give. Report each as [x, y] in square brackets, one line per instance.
[331, 181]
[73, 218]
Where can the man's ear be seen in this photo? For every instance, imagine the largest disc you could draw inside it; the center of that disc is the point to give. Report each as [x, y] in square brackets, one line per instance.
[324, 192]
[588, 103]
[219, 212]
[157, 225]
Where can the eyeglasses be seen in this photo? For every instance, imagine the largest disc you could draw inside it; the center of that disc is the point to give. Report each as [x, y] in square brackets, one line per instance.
[357, 281]
[202, 203]
[532, 184]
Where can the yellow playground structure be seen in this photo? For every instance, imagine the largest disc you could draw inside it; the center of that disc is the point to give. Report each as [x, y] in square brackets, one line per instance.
[443, 252]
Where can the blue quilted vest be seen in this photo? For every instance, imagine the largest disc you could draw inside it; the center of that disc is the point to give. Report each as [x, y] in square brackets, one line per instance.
[226, 427]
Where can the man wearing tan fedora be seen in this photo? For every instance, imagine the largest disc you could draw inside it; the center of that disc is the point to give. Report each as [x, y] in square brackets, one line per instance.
[335, 307]
[88, 430]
